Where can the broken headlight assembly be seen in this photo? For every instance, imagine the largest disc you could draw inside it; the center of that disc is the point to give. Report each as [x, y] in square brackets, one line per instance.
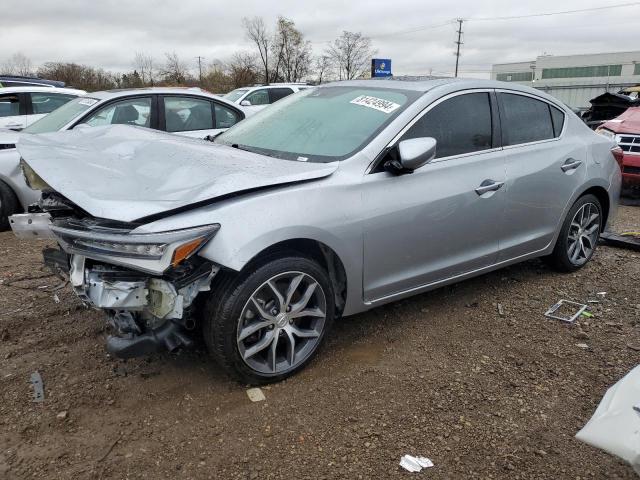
[149, 252]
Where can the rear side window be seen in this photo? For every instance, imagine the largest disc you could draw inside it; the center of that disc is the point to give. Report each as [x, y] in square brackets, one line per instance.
[9, 105]
[225, 117]
[259, 97]
[461, 124]
[185, 114]
[557, 118]
[276, 94]
[524, 119]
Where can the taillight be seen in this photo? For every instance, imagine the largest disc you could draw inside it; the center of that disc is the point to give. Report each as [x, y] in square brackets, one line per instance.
[618, 154]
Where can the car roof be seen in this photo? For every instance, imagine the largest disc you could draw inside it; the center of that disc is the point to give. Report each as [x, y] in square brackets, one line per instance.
[37, 89]
[458, 83]
[125, 92]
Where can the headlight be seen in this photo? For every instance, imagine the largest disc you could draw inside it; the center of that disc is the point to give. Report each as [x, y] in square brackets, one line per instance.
[153, 252]
[606, 133]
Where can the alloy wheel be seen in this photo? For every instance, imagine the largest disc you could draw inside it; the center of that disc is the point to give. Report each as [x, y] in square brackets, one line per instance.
[583, 234]
[282, 323]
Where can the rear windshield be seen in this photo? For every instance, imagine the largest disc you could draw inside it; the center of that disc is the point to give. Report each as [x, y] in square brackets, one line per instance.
[320, 124]
[61, 116]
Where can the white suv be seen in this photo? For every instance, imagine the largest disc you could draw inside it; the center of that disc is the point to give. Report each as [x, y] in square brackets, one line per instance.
[257, 97]
[21, 106]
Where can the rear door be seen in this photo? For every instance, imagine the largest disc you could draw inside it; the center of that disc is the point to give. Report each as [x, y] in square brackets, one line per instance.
[41, 103]
[442, 220]
[13, 111]
[544, 168]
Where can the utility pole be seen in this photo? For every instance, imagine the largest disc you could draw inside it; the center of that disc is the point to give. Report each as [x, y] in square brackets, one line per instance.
[458, 43]
[200, 67]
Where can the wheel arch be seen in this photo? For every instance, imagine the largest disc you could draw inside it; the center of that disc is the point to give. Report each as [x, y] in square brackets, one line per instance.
[318, 251]
[603, 197]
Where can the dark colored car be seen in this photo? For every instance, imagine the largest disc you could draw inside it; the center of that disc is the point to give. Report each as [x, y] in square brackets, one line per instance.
[19, 81]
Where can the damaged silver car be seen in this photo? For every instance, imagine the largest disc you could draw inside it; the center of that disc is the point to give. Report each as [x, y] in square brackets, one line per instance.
[330, 202]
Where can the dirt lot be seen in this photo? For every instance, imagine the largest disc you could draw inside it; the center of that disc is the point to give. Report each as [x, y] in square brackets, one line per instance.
[442, 375]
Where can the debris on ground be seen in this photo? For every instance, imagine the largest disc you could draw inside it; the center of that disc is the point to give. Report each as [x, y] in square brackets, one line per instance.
[62, 415]
[566, 311]
[38, 387]
[615, 425]
[415, 464]
[256, 395]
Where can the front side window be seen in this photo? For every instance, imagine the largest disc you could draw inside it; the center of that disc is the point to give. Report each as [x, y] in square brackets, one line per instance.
[461, 124]
[9, 105]
[225, 117]
[277, 93]
[320, 124]
[48, 102]
[134, 111]
[184, 114]
[259, 97]
[524, 119]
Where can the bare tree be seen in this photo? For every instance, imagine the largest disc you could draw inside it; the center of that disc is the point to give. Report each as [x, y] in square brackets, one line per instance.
[17, 64]
[257, 32]
[144, 65]
[323, 67]
[79, 76]
[242, 69]
[175, 69]
[351, 53]
[291, 50]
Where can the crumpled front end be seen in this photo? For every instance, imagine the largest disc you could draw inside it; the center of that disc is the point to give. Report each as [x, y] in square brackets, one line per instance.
[145, 283]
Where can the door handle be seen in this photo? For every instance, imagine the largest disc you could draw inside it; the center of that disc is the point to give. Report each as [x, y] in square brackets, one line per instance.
[488, 186]
[570, 164]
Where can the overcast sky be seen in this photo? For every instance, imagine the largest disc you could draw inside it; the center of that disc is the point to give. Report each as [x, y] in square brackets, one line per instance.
[107, 33]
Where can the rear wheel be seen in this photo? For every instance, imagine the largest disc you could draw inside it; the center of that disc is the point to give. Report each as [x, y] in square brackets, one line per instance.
[578, 238]
[8, 205]
[267, 323]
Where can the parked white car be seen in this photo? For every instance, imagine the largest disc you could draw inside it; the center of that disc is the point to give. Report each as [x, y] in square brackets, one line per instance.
[256, 98]
[22, 106]
[189, 112]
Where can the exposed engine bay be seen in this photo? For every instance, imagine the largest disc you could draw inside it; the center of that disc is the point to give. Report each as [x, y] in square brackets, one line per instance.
[146, 284]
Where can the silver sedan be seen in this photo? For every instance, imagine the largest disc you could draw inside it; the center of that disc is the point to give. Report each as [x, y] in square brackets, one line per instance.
[330, 202]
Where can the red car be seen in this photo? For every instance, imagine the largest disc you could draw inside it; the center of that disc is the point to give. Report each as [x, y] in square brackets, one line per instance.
[626, 131]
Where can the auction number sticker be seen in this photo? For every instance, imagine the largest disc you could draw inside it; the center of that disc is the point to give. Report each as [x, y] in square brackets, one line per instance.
[376, 103]
[87, 102]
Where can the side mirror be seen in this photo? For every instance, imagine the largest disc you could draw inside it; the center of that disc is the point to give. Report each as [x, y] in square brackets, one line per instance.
[245, 103]
[416, 152]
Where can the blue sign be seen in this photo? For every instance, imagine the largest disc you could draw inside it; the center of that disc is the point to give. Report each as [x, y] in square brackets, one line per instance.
[381, 67]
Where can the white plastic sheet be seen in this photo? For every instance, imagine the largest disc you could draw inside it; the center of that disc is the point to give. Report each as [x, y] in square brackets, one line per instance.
[415, 464]
[615, 425]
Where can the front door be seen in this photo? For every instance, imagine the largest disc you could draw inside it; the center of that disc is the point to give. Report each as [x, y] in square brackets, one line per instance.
[444, 219]
[13, 113]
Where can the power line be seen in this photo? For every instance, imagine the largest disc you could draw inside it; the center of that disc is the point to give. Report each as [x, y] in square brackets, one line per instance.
[549, 14]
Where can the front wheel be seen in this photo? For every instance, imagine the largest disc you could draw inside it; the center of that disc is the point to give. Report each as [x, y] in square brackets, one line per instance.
[578, 238]
[265, 324]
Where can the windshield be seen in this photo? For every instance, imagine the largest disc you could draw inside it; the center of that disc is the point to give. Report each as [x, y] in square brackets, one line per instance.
[319, 124]
[234, 95]
[61, 116]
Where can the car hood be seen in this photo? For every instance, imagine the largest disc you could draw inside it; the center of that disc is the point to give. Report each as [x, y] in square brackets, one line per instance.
[628, 122]
[127, 173]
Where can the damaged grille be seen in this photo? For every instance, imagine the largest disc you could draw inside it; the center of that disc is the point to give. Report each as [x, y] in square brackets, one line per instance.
[630, 143]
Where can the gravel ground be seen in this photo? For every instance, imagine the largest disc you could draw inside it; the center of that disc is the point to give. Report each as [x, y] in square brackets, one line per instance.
[443, 375]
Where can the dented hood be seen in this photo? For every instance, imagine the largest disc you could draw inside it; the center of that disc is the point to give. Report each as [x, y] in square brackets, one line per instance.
[127, 173]
[628, 122]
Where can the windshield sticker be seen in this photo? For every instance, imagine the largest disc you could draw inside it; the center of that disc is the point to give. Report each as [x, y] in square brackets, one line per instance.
[303, 159]
[380, 104]
[88, 102]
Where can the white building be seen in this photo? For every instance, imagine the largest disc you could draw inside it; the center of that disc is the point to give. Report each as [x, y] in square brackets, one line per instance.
[574, 79]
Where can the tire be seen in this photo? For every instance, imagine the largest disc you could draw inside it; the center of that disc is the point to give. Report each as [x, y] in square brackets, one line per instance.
[8, 205]
[564, 257]
[237, 304]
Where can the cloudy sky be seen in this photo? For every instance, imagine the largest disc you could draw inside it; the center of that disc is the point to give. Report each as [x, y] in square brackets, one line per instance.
[107, 33]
